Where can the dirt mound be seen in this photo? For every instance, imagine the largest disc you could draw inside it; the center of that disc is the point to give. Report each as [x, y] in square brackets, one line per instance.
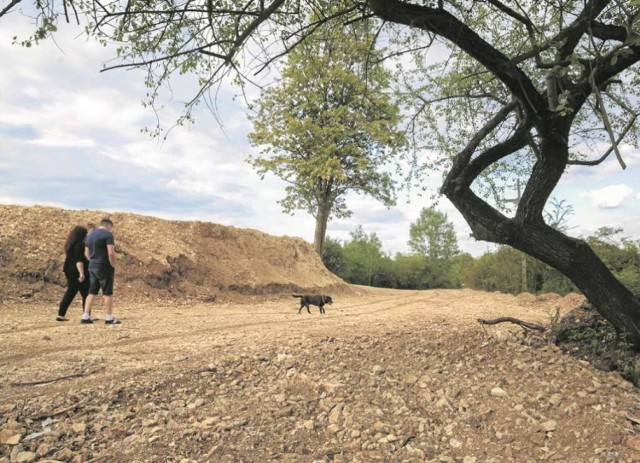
[570, 302]
[157, 258]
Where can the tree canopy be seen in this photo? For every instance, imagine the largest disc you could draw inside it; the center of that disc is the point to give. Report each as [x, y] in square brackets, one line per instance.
[433, 235]
[329, 125]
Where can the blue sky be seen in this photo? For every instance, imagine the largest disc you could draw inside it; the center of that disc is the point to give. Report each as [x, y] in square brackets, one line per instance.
[70, 137]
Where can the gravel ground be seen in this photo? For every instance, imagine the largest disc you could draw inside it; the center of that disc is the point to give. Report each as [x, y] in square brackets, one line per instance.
[389, 376]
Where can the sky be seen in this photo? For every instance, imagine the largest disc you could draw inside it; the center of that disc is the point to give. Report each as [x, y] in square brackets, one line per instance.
[70, 137]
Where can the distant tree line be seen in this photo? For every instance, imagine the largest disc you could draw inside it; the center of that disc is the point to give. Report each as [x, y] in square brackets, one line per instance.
[436, 262]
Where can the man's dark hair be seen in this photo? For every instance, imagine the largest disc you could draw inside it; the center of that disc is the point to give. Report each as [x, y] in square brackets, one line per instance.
[106, 221]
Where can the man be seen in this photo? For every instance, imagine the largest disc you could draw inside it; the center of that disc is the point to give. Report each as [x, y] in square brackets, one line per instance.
[100, 250]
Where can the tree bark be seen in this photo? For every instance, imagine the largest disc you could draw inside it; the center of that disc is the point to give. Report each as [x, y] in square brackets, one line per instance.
[322, 218]
[573, 257]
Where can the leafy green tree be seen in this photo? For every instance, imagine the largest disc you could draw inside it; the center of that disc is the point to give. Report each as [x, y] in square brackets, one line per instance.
[329, 126]
[363, 253]
[527, 89]
[333, 257]
[621, 254]
[433, 235]
[410, 271]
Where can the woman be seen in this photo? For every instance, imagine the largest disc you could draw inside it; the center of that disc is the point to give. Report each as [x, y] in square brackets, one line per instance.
[75, 269]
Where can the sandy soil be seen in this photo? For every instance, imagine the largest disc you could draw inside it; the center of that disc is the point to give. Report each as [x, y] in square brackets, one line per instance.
[385, 375]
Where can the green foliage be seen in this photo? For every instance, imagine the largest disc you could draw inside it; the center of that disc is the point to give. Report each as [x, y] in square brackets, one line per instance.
[495, 271]
[502, 270]
[594, 339]
[433, 235]
[333, 256]
[361, 260]
[621, 254]
[364, 257]
[329, 126]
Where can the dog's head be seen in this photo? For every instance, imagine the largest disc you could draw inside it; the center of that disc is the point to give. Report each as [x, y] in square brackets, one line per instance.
[327, 299]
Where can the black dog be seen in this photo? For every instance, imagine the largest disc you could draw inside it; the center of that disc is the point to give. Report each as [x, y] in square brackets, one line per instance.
[312, 299]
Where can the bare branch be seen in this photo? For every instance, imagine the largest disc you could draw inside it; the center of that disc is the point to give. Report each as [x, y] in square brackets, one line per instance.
[523, 324]
[6, 9]
[578, 162]
[443, 23]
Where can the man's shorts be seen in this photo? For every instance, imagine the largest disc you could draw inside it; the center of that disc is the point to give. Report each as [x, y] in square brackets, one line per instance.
[101, 278]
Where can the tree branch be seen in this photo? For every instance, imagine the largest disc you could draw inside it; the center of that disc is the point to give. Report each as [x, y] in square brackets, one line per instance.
[7, 8]
[617, 142]
[526, 325]
[443, 23]
[580, 26]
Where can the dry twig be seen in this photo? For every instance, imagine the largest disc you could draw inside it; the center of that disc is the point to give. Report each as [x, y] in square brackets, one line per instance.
[526, 325]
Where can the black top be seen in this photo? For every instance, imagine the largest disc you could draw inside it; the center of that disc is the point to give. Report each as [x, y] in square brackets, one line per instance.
[97, 242]
[74, 255]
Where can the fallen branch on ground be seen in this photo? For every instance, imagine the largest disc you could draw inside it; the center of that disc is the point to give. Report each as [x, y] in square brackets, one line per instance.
[526, 325]
[60, 378]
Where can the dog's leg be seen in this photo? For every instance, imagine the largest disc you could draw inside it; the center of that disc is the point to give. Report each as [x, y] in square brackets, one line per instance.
[308, 311]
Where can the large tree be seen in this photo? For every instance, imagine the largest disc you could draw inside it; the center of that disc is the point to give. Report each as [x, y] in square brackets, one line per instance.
[531, 87]
[432, 235]
[329, 126]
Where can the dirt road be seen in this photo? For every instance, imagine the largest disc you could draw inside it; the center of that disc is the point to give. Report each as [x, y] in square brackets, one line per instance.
[384, 376]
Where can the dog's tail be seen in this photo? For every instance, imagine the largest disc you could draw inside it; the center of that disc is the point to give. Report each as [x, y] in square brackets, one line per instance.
[297, 295]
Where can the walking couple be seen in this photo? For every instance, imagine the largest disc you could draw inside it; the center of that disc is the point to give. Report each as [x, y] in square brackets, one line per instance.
[89, 266]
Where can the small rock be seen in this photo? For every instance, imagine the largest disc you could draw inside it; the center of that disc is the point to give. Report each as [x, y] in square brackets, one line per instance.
[25, 457]
[378, 370]
[333, 428]
[549, 426]
[538, 438]
[455, 443]
[633, 443]
[10, 437]
[499, 392]
[79, 428]
[336, 414]
[555, 399]
[309, 424]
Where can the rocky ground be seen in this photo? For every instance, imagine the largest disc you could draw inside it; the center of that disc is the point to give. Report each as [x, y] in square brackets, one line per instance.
[389, 376]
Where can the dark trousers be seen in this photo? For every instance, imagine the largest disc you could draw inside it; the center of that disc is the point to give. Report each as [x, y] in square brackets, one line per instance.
[73, 287]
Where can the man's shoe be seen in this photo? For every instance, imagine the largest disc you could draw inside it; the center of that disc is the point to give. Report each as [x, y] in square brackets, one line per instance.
[86, 321]
[112, 322]
[60, 318]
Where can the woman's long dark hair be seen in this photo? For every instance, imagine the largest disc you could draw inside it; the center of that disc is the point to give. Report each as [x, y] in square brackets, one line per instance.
[77, 233]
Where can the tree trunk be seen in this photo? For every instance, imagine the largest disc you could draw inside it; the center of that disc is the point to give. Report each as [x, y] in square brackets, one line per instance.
[573, 257]
[322, 218]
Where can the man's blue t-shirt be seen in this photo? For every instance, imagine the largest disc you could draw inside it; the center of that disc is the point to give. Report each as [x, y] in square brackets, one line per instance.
[97, 242]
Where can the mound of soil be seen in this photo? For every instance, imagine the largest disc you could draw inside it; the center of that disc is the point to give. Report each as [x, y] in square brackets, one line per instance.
[157, 258]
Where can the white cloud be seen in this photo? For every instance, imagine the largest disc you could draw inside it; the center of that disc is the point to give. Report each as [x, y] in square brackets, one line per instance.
[610, 197]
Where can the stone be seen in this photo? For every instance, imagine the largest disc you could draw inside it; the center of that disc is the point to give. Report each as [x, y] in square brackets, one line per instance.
[10, 437]
[79, 428]
[25, 457]
[549, 426]
[336, 414]
[633, 443]
[499, 392]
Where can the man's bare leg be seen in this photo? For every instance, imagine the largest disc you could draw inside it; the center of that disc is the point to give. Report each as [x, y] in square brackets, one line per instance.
[86, 315]
[108, 306]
